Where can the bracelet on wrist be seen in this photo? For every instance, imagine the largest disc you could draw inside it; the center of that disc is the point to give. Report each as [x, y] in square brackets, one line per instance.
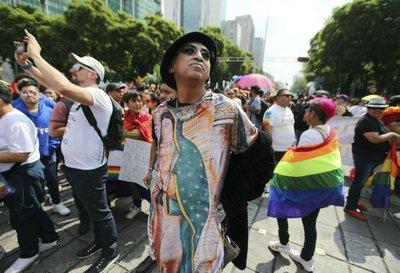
[28, 65]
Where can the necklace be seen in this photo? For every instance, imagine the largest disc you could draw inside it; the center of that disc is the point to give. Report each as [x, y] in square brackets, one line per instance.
[187, 112]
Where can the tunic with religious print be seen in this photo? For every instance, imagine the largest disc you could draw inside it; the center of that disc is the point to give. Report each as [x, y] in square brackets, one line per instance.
[193, 155]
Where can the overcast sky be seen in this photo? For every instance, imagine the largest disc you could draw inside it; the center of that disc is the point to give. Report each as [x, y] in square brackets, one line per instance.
[292, 23]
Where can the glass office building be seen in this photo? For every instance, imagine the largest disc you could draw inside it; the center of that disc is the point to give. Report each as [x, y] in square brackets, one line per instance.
[135, 8]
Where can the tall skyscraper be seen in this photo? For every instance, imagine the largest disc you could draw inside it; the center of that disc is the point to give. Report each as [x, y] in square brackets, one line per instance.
[247, 37]
[258, 52]
[171, 10]
[196, 14]
[232, 30]
[240, 31]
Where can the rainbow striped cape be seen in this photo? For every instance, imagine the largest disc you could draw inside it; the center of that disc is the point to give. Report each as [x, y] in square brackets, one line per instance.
[306, 179]
[384, 179]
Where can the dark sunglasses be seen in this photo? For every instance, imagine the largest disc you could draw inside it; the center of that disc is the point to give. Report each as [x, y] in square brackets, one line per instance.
[192, 50]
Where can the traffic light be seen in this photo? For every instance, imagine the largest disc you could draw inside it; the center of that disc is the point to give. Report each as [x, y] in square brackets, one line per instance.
[303, 59]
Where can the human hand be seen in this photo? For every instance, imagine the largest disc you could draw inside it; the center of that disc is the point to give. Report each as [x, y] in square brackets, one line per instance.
[394, 135]
[147, 178]
[34, 48]
[20, 58]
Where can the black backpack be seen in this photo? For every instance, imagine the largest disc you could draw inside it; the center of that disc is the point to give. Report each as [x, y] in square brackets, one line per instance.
[264, 107]
[115, 131]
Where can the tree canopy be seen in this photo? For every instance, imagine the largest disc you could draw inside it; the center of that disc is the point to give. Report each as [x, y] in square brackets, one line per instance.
[358, 48]
[126, 46]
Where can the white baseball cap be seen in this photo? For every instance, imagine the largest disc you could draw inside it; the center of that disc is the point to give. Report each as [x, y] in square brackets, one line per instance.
[90, 62]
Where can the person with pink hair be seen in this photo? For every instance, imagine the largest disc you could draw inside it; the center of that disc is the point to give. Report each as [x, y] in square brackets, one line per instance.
[320, 110]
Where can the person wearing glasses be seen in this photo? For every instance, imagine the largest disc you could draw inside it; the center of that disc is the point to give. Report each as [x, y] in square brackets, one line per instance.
[232, 95]
[194, 136]
[40, 114]
[20, 165]
[83, 150]
[278, 123]
[370, 147]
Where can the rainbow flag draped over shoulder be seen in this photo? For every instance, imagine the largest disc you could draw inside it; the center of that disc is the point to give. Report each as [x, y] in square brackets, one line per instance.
[383, 180]
[307, 178]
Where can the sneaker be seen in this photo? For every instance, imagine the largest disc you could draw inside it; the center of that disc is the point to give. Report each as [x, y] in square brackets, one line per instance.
[145, 265]
[356, 214]
[2, 252]
[133, 212]
[47, 200]
[278, 247]
[362, 207]
[307, 265]
[396, 215]
[88, 251]
[103, 263]
[46, 246]
[20, 264]
[61, 209]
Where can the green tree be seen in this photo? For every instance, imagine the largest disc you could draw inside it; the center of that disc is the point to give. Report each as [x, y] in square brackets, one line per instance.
[13, 21]
[357, 47]
[169, 32]
[226, 48]
[299, 84]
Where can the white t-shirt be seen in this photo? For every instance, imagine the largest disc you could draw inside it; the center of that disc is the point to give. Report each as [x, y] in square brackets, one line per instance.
[281, 120]
[81, 145]
[313, 137]
[358, 110]
[18, 134]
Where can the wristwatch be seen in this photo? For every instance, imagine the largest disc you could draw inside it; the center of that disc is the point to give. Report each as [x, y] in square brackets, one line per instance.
[28, 65]
[150, 169]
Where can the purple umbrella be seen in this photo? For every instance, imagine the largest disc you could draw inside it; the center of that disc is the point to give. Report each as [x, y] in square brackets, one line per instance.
[259, 80]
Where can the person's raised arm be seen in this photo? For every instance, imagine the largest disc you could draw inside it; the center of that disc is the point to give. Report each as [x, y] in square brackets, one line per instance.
[22, 60]
[55, 79]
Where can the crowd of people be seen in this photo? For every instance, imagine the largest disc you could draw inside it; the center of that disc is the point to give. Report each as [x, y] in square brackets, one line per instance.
[203, 142]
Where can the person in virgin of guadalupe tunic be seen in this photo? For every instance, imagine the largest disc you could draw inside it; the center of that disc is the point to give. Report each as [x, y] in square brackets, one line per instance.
[194, 136]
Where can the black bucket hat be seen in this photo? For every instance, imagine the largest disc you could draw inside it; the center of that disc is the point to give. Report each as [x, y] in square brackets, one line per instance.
[171, 52]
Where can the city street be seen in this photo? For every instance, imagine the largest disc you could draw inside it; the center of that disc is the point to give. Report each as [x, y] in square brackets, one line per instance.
[344, 244]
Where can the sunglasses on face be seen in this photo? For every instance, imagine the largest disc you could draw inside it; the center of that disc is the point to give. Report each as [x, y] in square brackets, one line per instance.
[78, 66]
[192, 50]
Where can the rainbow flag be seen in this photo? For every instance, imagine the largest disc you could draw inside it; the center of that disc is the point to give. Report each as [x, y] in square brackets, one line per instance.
[306, 179]
[384, 179]
[113, 173]
[114, 164]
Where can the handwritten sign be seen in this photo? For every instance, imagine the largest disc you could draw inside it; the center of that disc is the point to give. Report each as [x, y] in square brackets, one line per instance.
[344, 127]
[135, 161]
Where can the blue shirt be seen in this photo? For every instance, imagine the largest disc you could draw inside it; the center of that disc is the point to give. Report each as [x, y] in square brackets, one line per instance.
[47, 101]
[41, 119]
